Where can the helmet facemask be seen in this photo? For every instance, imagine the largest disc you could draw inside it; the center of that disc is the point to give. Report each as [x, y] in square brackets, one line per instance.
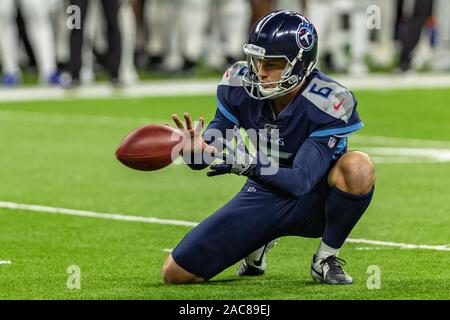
[292, 76]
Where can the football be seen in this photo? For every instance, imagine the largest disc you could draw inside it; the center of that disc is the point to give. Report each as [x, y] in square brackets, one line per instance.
[150, 148]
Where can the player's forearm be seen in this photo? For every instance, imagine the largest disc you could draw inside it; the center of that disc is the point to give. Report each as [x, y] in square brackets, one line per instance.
[309, 166]
[289, 182]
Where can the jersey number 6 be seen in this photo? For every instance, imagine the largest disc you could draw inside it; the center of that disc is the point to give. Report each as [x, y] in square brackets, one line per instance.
[323, 91]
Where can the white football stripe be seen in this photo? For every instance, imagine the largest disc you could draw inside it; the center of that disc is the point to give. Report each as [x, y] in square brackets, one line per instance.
[190, 87]
[401, 245]
[104, 91]
[74, 119]
[401, 160]
[406, 155]
[399, 142]
[370, 248]
[92, 214]
[436, 154]
[110, 216]
[5, 262]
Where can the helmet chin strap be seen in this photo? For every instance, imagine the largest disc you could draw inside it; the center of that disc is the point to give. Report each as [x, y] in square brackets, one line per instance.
[267, 91]
[279, 90]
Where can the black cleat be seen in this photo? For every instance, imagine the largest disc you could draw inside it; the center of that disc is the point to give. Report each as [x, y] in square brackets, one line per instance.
[248, 270]
[255, 263]
[329, 270]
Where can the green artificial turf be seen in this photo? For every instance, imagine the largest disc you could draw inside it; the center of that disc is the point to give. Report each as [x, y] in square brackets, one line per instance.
[61, 154]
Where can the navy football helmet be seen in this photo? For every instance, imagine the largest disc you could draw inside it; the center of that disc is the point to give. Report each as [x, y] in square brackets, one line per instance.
[280, 34]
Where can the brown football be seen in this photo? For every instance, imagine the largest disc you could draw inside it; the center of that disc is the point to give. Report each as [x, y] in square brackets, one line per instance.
[150, 148]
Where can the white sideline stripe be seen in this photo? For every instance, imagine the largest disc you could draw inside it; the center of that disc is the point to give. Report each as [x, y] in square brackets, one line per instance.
[91, 214]
[82, 213]
[400, 245]
[189, 87]
[103, 91]
[63, 119]
[394, 81]
[402, 160]
[396, 141]
[435, 154]
[5, 262]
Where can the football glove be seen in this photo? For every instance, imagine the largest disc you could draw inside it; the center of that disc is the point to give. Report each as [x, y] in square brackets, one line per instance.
[238, 160]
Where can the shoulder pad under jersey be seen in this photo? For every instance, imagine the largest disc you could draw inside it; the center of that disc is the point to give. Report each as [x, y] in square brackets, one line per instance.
[233, 75]
[331, 98]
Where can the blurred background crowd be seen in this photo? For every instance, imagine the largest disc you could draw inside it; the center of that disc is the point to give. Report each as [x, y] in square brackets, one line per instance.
[128, 40]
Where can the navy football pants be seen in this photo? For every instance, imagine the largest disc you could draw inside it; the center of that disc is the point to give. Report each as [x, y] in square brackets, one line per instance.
[252, 218]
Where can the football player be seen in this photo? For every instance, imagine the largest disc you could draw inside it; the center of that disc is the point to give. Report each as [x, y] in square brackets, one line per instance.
[319, 189]
[40, 32]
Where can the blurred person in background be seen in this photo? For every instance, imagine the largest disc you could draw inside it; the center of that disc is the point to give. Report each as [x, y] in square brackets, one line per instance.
[228, 26]
[36, 14]
[441, 61]
[383, 48]
[161, 33]
[58, 20]
[358, 39]
[127, 21]
[139, 50]
[114, 53]
[193, 23]
[95, 44]
[209, 31]
[297, 5]
[260, 8]
[412, 32]
[323, 14]
[342, 24]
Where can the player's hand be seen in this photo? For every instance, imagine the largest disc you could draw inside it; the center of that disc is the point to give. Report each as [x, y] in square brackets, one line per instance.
[238, 160]
[193, 136]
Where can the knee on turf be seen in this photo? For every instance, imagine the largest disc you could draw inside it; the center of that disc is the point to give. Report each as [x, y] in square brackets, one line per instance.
[174, 274]
[353, 173]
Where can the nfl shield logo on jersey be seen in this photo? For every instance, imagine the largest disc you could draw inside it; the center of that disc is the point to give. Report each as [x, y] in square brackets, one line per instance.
[331, 142]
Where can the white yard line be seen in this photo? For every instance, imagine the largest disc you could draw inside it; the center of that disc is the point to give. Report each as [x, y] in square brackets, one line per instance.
[103, 91]
[92, 214]
[400, 160]
[397, 142]
[5, 262]
[400, 245]
[122, 217]
[401, 150]
[438, 155]
[189, 87]
[78, 119]
[395, 81]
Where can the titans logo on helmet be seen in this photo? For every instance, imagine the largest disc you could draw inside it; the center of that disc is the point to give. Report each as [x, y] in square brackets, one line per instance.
[305, 37]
